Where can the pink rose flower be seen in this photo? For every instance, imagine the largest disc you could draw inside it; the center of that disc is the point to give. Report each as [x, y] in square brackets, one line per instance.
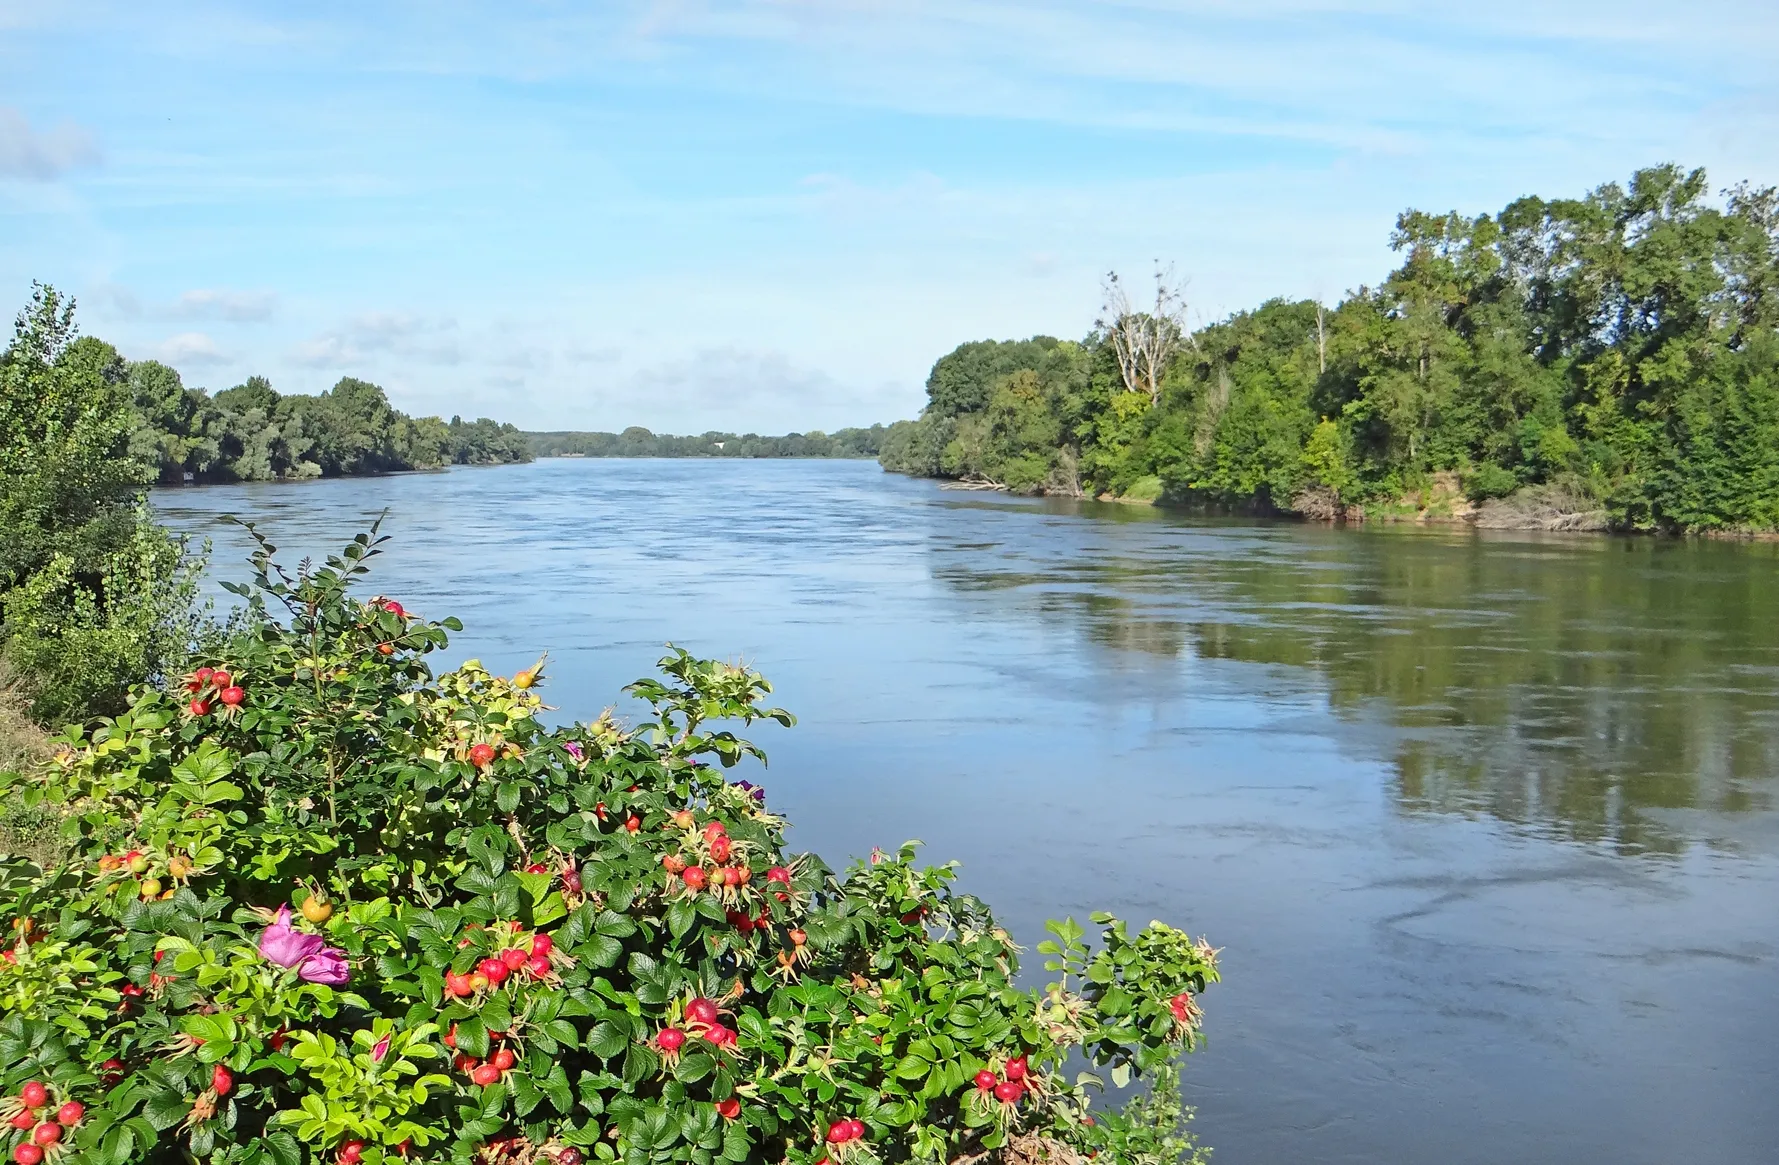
[326, 966]
[313, 960]
[381, 1050]
[284, 946]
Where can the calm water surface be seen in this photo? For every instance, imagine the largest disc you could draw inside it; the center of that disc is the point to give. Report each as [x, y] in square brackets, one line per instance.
[1485, 826]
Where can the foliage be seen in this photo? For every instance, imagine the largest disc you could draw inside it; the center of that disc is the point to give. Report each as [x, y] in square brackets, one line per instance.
[93, 596]
[522, 944]
[639, 442]
[252, 433]
[1619, 348]
[1000, 412]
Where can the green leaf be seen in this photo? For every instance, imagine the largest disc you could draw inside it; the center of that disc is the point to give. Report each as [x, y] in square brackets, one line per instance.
[555, 1085]
[607, 1040]
[680, 917]
[166, 1109]
[526, 1095]
[283, 1149]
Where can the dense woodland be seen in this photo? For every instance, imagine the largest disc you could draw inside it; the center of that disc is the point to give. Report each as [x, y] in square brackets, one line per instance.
[1604, 360]
[252, 433]
[639, 442]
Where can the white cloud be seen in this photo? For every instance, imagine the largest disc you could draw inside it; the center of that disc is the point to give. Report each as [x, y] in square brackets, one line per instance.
[371, 337]
[191, 350]
[42, 156]
[235, 306]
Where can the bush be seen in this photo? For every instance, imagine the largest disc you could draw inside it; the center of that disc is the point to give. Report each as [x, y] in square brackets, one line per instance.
[519, 944]
[93, 596]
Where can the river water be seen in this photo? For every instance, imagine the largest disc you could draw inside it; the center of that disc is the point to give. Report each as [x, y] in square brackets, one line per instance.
[1485, 825]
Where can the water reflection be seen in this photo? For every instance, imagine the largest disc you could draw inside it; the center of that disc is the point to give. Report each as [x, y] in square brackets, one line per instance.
[1619, 691]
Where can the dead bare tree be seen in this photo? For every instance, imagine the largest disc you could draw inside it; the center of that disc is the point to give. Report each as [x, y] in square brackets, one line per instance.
[1144, 341]
[1321, 341]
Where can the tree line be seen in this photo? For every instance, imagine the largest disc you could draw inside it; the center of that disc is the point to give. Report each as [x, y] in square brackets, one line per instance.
[639, 442]
[253, 433]
[1608, 360]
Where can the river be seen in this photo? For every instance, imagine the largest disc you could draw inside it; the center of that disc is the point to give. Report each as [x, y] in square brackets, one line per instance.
[1485, 825]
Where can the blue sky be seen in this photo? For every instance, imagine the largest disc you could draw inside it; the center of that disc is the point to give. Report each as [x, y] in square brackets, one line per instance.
[775, 214]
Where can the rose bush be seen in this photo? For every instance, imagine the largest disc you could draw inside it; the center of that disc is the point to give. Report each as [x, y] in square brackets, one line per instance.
[320, 904]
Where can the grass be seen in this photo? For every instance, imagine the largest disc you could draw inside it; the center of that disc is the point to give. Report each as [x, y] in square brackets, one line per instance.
[24, 833]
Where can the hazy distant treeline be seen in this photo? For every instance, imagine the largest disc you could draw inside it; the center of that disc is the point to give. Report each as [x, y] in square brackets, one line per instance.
[639, 442]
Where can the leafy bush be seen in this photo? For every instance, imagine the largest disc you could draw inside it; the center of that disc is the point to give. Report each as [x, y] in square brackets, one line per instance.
[326, 906]
[94, 596]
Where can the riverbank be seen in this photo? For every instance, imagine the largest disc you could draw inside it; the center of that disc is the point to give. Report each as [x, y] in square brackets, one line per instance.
[1550, 509]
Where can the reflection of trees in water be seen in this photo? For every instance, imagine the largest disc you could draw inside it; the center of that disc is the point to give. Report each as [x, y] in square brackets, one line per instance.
[1585, 686]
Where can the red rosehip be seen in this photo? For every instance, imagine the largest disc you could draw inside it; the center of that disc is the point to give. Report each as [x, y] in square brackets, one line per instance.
[693, 877]
[841, 1132]
[394, 608]
[715, 829]
[456, 984]
[542, 944]
[779, 874]
[537, 868]
[70, 1113]
[34, 1094]
[27, 1154]
[351, 1153]
[672, 863]
[221, 679]
[485, 1075]
[113, 1070]
[702, 1010]
[719, 848]
[198, 707]
[569, 1157]
[1016, 1068]
[670, 1039]
[481, 755]
[1009, 1091]
[504, 1059]
[986, 1080]
[632, 823]
[720, 1036]
[494, 969]
[729, 1109]
[23, 1119]
[203, 674]
[514, 958]
[232, 695]
[450, 1040]
[464, 1062]
[538, 965]
[222, 1080]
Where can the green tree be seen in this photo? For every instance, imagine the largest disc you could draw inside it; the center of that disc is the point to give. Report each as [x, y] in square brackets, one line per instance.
[93, 596]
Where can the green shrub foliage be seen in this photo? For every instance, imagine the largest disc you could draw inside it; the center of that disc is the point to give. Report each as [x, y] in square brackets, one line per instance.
[325, 905]
[94, 596]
